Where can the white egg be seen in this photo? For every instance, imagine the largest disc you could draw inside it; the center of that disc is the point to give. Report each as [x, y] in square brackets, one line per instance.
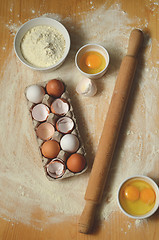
[69, 143]
[35, 93]
[86, 87]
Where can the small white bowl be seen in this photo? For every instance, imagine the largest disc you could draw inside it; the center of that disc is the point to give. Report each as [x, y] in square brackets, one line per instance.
[92, 47]
[155, 188]
[36, 22]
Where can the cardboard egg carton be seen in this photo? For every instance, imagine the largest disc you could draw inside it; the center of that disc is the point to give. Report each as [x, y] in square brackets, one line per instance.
[52, 118]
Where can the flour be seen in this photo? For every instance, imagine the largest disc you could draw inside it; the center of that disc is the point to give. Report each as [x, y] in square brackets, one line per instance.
[22, 181]
[43, 46]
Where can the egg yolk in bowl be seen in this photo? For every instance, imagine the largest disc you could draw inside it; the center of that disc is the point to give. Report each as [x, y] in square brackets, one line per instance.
[137, 197]
[92, 62]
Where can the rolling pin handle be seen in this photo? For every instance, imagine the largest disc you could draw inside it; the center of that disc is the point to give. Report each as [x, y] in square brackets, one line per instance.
[135, 41]
[87, 217]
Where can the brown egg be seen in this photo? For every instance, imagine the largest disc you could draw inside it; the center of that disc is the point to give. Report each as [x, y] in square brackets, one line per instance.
[60, 106]
[65, 125]
[56, 168]
[50, 149]
[45, 131]
[76, 163]
[55, 88]
[40, 112]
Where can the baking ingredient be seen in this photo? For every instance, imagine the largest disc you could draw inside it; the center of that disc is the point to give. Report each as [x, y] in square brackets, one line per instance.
[43, 46]
[86, 87]
[45, 131]
[147, 195]
[69, 143]
[35, 93]
[76, 163]
[92, 62]
[131, 193]
[56, 168]
[137, 197]
[60, 106]
[65, 125]
[50, 149]
[55, 88]
[40, 112]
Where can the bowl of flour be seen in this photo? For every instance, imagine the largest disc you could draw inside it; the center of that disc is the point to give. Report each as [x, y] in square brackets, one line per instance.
[42, 44]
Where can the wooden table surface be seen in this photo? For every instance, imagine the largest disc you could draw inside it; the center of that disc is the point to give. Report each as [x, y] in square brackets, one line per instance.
[13, 11]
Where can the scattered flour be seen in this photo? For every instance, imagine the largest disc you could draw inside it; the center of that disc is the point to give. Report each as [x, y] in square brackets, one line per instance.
[24, 190]
[141, 222]
[13, 27]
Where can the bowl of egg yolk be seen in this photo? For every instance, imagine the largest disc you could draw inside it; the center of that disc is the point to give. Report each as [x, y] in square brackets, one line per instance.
[138, 197]
[92, 60]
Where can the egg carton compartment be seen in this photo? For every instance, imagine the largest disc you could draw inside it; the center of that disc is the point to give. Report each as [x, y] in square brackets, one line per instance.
[52, 119]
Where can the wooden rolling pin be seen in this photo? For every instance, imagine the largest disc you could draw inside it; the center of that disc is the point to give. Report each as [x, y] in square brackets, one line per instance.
[110, 133]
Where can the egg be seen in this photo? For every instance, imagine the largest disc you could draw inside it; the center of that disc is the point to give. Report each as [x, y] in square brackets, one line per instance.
[45, 131]
[55, 88]
[50, 149]
[35, 93]
[76, 163]
[137, 197]
[65, 125]
[147, 195]
[131, 193]
[40, 112]
[56, 168]
[60, 106]
[86, 87]
[69, 143]
[92, 62]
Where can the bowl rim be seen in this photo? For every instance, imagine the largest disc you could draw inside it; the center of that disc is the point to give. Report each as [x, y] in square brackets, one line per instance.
[43, 19]
[153, 184]
[96, 45]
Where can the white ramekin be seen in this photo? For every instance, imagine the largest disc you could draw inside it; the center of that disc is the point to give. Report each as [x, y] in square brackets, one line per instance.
[92, 47]
[36, 22]
[155, 188]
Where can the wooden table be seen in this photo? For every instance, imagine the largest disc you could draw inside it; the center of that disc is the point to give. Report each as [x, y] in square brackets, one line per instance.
[11, 11]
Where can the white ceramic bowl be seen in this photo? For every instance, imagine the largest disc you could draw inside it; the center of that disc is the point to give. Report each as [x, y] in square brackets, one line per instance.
[156, 190]
[92, 47]
[36, 22]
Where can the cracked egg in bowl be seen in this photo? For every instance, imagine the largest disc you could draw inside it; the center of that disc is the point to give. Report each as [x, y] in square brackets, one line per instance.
[138, 197]
[92, 60]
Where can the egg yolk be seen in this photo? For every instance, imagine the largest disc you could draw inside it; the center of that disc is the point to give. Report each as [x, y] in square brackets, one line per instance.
[93, 61]
[131, 193]
[147, 195]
